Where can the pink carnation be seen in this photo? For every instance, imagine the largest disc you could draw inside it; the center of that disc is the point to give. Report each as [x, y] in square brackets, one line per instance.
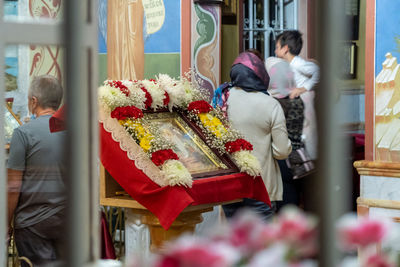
[355, 233]
[249, 233]
[377, 260]
[196, 252]
[298, 231]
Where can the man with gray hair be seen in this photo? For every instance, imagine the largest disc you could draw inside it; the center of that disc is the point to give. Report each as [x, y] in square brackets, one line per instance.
[36, 187]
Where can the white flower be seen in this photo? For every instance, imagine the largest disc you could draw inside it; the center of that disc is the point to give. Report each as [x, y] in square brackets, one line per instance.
[176, 173]
[168, 84]
[247, 162]
[157, 94]
[112, 97]
[177, 95]
[137, 95]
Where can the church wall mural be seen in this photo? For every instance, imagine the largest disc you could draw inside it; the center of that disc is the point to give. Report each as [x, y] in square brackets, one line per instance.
[387, 82]
[206, 41]
[141, 38]
[27, 61]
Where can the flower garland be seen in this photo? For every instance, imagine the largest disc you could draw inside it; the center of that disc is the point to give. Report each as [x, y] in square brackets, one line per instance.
[155, 97]
[215, 127]
[115, 95]
[126, 100]
[181, 92]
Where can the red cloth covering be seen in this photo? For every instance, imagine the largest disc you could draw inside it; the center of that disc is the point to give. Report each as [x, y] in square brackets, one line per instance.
[56, 121]
[166, 203]
[107, 246]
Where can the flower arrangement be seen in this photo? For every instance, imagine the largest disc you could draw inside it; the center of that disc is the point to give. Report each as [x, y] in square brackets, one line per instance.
[364, 234]
[126, 101]
[116, 96]
[222, 137]
[287, 241]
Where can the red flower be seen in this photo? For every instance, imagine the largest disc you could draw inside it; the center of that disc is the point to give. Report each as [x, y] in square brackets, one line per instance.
[120, 86]
[200, 106]
[238, 145]
[149, 100]
[160, 156]
[166, 99]
[121, 113]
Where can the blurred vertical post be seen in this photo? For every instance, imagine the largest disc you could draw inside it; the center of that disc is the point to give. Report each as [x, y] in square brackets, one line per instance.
[3, 176]
[332, 180]
[82, 141]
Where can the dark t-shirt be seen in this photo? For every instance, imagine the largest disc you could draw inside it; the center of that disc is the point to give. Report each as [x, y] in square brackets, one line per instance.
[39, 154]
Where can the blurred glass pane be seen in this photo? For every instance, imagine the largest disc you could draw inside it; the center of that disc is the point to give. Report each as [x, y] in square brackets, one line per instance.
[36, 10]
[35, 155]
[23, 62]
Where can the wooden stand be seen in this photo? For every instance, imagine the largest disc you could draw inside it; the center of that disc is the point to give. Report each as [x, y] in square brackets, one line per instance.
[111, 194]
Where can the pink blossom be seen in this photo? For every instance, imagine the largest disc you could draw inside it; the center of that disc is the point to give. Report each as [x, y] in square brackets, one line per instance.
[377, 260]
[196, 252]
[365, 231]
[298, 230]
[250, 233]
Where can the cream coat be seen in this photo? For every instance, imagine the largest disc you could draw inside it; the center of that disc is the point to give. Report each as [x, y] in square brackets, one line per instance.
[260, 119]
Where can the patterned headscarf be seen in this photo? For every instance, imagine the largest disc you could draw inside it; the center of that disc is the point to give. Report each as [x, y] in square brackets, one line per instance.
[248, 72]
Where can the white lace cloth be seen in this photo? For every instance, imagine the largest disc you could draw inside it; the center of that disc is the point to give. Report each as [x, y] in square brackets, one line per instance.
[133, 150]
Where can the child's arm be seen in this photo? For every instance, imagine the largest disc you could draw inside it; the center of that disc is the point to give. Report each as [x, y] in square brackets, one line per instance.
[297, 92]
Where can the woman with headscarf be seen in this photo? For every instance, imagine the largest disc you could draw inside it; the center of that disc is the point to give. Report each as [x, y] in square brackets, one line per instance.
[260, 118]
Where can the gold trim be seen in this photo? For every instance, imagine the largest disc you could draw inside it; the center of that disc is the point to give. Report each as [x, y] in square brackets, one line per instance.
[188, 130]
[377, 168]
[201, 145]
[13, 114]
[379, 203]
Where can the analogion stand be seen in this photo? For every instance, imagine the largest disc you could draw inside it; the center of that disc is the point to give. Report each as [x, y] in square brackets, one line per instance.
[111, 194]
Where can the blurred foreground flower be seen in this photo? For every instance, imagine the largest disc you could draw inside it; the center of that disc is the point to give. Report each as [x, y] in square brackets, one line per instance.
[190, 251]
[299, 231]
[378, 260]
[361, 232]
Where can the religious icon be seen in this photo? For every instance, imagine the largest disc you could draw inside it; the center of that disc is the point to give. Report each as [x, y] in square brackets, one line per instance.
[191, 150]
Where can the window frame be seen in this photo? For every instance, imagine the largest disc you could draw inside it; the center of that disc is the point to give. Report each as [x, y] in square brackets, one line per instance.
[78, 34]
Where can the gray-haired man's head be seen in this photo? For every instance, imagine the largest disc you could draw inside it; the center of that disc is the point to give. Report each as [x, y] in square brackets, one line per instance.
[47, 90]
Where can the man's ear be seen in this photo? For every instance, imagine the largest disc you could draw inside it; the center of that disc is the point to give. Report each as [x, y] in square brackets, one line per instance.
[286, 48]
[34, 101]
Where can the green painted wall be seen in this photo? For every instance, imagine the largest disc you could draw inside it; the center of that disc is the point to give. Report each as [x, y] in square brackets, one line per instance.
[161, 63]
[229, 49]
[102, 68]
[155, 64]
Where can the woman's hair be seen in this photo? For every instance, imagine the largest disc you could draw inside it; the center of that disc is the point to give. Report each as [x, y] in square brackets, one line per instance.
[48, 91]
[256, 52]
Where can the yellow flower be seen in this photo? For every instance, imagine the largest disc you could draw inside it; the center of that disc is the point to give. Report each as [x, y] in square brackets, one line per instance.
[145, 142]
[140, 130]
[213, 124]
[142, 134]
